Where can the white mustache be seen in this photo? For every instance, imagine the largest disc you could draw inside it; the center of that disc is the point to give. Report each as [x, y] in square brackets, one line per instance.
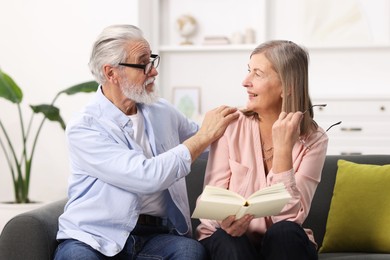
[149, 81]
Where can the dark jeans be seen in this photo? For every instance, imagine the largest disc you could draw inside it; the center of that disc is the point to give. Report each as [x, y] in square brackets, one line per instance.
[144, 244]
[284, 240]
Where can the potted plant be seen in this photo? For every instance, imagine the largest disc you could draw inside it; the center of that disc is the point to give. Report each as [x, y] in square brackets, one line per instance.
[20, 164]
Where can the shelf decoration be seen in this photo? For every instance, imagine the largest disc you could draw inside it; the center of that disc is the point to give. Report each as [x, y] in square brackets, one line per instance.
[187, 26]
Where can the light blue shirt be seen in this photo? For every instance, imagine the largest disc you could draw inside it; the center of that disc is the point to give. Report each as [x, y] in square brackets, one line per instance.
[110, 174]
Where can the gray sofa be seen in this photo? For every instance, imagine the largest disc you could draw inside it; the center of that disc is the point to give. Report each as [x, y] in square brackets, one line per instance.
[31, 235]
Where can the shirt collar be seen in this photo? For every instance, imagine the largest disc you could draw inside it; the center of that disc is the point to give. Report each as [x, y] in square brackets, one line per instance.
[109, 110]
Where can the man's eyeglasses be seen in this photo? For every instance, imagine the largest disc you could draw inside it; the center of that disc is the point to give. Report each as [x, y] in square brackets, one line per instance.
[308, 147]
[154, 62]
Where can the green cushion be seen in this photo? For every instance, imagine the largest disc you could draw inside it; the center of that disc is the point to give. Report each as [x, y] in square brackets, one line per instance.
[359, 215]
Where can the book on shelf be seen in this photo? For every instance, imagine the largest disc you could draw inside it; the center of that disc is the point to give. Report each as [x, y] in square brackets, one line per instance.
[216, 40]
[218, 203]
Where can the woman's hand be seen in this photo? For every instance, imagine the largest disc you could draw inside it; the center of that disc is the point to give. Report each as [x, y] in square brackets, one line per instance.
[285, 132]
[236, 228]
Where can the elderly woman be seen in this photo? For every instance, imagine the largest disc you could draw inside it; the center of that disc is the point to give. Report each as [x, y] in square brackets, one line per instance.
[274, 140]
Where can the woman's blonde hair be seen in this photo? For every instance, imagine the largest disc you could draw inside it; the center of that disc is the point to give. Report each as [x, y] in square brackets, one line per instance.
[290, 62]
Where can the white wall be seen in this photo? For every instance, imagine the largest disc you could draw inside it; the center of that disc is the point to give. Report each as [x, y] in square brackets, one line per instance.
[45, 47]
[343, 63]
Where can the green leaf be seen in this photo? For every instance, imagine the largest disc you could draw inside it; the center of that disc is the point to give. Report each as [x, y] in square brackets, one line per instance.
[90, 86]
[51, 112]
[9, 89]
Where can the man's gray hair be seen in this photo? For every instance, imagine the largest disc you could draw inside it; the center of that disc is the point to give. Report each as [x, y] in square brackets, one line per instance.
[110, 48]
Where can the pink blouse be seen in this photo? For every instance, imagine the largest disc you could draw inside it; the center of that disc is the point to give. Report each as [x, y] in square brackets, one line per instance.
[236, 163]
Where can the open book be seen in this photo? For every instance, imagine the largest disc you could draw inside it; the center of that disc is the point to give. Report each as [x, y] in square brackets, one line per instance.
[218, 203]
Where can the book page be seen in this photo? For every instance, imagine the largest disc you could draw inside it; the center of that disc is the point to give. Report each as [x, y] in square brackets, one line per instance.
[215, 210]
[217, 203]
[276, 188]
[268, 201]
[221, 194]
[263, 208]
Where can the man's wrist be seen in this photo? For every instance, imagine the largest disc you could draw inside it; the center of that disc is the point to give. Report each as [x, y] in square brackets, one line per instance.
[197, 144]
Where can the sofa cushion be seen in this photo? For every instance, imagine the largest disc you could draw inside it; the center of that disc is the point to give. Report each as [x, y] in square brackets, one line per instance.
[359, 210]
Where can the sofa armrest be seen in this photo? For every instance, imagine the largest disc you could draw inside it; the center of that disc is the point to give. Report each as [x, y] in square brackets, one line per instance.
[32, 235]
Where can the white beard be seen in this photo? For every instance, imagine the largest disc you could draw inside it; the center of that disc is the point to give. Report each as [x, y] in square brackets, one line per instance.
[138, 93]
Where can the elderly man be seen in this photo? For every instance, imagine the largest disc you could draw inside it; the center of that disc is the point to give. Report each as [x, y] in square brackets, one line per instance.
[129, 153]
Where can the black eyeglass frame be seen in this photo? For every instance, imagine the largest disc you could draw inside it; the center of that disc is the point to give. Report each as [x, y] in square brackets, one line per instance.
[308, 147]
[311, 107]
[152, 63]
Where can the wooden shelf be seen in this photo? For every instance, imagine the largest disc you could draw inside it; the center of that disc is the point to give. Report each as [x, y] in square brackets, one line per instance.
[205, 48]
[250, 47]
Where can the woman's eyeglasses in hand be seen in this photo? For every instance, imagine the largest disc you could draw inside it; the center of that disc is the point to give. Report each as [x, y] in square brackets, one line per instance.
[318, 138]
